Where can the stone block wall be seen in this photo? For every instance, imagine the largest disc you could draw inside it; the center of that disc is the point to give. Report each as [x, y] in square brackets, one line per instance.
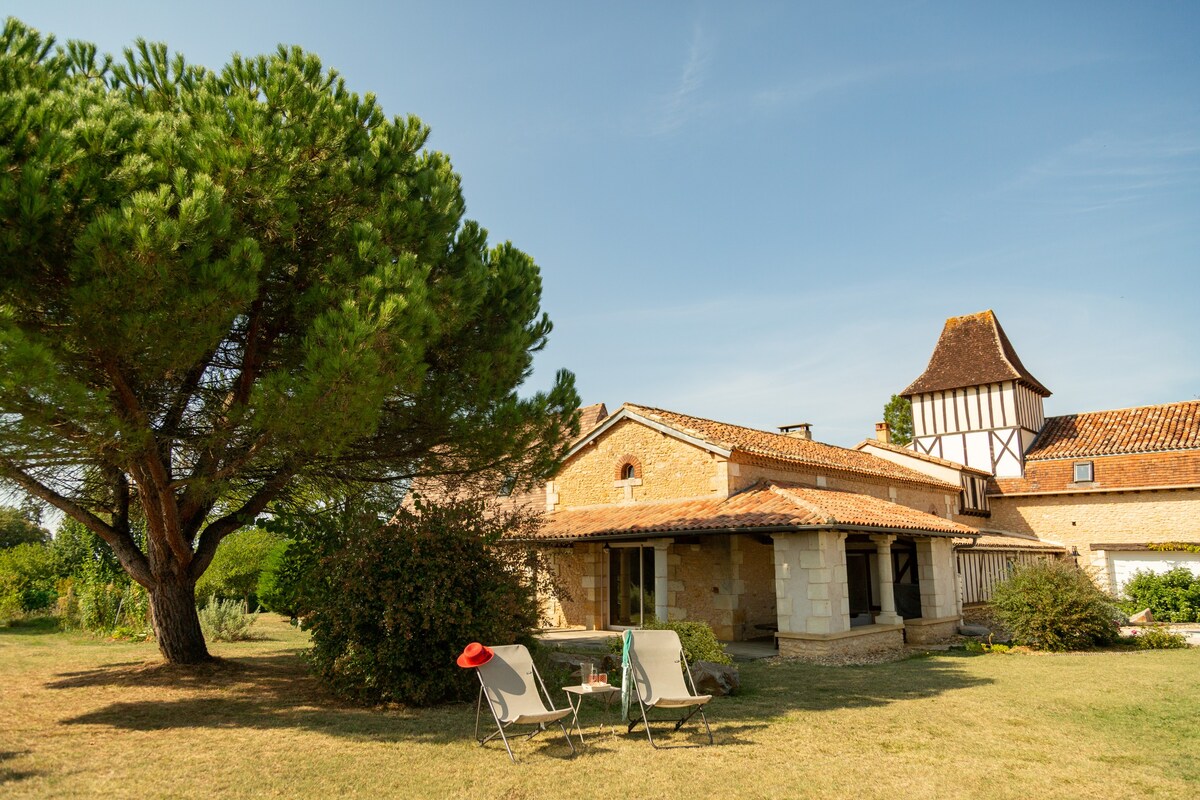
[810, 582]
[669, 469]
[581, 570]
[1078, 520]
[937, 572]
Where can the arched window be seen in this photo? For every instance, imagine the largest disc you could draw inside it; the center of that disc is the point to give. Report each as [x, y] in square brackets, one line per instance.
[628, 472]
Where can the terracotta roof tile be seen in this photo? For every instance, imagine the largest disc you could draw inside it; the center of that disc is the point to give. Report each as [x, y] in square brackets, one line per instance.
[591, 416]
[999, 541]
[1148, 429]
[787, 448]
[973, 350]
[768, 504]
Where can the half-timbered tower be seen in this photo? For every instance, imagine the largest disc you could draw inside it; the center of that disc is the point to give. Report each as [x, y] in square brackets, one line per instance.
[976, 403]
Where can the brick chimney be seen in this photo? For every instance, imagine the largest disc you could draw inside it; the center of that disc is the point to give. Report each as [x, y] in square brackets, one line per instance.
[801, 430]
[883, 432]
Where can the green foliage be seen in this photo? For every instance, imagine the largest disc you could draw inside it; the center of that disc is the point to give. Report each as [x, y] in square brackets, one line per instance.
[223, 286]
[973, 646]
[898, 415]
[237, 566]
[1157, 637]
[83, 556]
[226, 620]
[396, 603]
[281, 584]
[698, 640]
[121, 610]
[1178, 547]
[16, 528]
[1052, 605]
[1173, 596]
[27, 580]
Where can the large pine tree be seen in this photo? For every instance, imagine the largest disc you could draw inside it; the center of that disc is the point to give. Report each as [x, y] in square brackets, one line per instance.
[219, 287]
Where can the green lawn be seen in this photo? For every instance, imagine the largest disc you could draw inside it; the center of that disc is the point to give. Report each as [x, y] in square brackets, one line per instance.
[88, 718]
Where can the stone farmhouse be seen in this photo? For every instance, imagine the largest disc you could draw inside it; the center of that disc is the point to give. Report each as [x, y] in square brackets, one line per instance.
[854, 550]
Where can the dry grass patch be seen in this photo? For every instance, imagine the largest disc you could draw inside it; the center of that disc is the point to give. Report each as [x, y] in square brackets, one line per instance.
[88, 718]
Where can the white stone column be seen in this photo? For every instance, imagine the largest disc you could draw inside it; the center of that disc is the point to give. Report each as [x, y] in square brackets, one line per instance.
[887, 594]
[661, 585]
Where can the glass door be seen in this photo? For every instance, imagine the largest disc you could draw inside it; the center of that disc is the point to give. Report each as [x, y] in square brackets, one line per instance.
[630, 585]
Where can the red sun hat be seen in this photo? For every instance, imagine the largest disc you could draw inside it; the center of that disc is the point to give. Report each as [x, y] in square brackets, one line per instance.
[474, 655]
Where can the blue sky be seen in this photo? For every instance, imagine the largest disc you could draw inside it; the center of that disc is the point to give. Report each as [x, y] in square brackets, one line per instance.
[763, 212]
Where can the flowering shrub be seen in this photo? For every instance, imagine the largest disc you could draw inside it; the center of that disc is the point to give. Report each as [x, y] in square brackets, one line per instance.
[1173, 596]
[1157, 637]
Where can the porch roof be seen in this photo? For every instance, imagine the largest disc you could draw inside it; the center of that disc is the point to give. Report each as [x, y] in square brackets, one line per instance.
[767, 506]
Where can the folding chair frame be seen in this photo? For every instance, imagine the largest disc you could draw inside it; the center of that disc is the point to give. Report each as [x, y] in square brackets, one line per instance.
[500, 727]
[699, 707]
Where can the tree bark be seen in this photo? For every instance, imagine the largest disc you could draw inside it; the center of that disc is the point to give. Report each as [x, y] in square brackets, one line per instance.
[176, 622]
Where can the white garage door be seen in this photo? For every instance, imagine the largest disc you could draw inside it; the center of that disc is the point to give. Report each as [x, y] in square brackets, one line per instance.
[1122, 565]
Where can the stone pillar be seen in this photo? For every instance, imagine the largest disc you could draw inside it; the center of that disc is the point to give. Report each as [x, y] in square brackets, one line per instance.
[887, 594]
[810, 582]
[661, 584]
[938, 575]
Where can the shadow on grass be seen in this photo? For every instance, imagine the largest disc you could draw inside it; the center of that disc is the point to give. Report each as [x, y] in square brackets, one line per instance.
[261, 692]
[275, 692]
[35, 626]
[8, 775]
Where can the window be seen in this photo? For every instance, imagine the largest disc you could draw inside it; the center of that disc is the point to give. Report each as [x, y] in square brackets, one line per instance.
[628, 472]
[630, 585]
[506, 488]
[1084, 473]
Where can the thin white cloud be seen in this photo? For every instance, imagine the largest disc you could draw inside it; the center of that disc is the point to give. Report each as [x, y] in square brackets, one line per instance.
[1105, 170]
[683, 103]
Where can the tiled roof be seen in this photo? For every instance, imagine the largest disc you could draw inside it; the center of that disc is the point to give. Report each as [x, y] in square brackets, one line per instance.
[922, 456]
[972, 351]
[1180, 468]
[767, 504]
[1149, 429]
[786, 448]
[998, 541]
[591, 416]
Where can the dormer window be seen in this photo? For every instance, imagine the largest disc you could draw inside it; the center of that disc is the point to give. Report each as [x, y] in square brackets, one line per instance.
[1084, 472]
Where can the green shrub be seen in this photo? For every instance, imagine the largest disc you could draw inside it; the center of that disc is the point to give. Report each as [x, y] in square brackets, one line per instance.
[226, 621]
[237, 565]
[1173, 596]
[284, 572]
[393, 606]
[27, 580]
[1051, 605]
[1156, 637]
[108, 609]
[698, 640]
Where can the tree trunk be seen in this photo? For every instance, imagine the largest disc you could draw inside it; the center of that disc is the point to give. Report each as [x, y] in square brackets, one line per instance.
[176, 623]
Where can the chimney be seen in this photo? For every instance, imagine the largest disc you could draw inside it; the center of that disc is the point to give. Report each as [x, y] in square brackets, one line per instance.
[801, 430]
[883, 432]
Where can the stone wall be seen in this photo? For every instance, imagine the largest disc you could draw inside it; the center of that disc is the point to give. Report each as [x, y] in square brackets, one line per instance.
[1078, 520]
[755, 562]
[865, 641]
[668, 467]
[810, 582]
[581, 570]
[937, 572]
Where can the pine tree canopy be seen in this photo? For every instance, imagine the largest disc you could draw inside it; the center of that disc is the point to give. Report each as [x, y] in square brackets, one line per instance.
[219, 287]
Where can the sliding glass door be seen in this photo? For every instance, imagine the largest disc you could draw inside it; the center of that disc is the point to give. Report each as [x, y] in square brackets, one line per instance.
[630, 585]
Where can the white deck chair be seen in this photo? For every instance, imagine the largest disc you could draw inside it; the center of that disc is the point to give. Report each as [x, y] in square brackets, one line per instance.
[507, 681]
[657, 664]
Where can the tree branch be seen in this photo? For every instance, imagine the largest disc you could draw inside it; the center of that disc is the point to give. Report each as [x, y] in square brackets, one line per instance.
[220, 528]
[122, 543]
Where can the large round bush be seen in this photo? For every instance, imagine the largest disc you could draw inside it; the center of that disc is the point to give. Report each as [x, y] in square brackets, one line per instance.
[395, 604]
[1052, 605]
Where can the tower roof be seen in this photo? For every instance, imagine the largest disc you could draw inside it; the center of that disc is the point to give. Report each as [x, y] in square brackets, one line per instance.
[973, 351]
